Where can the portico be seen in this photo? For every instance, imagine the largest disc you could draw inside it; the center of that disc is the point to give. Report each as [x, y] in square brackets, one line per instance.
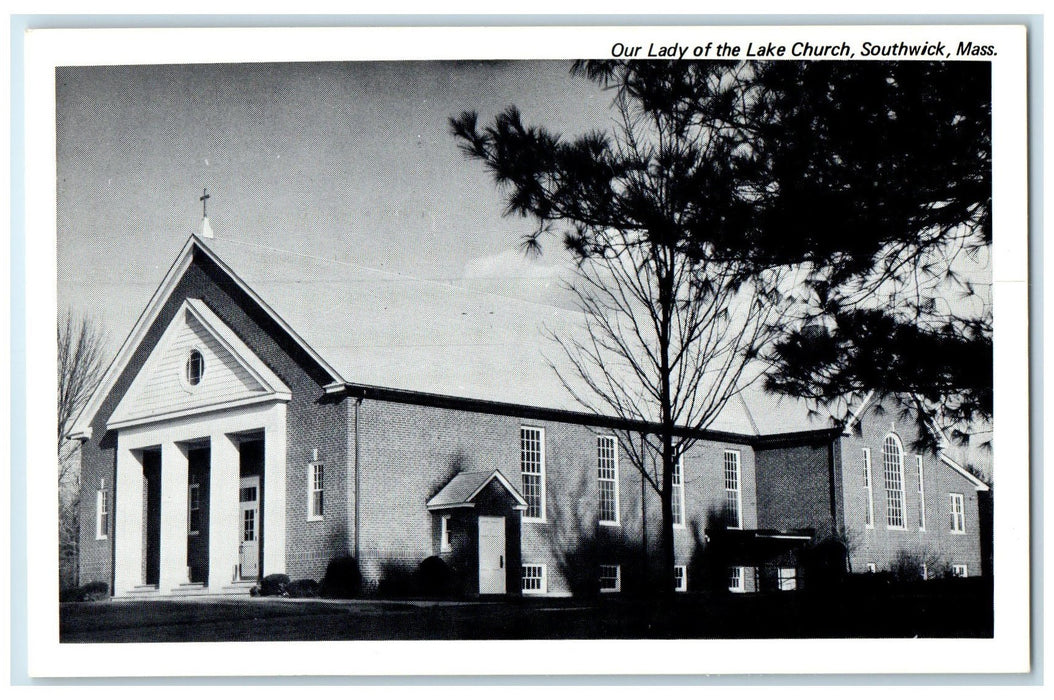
[227, 435]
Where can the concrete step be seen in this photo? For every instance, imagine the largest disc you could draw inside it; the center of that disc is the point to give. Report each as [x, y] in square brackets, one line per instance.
[239, 588]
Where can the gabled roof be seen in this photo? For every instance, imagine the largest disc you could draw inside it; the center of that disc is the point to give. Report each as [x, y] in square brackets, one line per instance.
[82, 426]
[938, 434]
[461, 491]
[368, 327]
[237, 377]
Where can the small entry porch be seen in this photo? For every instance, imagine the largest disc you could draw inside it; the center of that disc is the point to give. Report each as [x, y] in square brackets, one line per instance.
[476, 519]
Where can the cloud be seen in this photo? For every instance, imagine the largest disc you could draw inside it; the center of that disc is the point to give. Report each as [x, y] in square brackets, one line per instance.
[511, 265]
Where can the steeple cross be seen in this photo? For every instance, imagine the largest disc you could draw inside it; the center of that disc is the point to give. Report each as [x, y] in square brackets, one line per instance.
[204, 199]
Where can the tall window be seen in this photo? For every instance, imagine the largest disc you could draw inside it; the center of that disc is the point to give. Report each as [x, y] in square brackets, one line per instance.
[959, 571]
[607, 479]
[532, 468]
[958, 513]
[733, 499]
[316, 482]
[677, 497]
[893, 469]
[193, 509]
[102, 512]
[869, 515]
[445, 544]
[922, 492]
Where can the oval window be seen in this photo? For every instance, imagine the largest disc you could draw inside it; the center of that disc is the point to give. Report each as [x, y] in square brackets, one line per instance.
[195, 367]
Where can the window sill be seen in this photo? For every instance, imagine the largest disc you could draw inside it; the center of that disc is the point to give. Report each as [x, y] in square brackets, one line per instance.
[541, 521]
[609, 523]
[896, 528]
[101, 537]
[610, 590]
[315, 518]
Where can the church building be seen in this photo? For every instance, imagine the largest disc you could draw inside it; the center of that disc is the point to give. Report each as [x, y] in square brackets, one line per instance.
[271, 410]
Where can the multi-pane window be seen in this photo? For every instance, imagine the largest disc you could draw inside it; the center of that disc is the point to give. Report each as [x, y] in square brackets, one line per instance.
[677, 496]
[102, 512]
[607, 479]
[922, 491]
[959, 570]
[315, 493]
[680, 578]
[610, 578]
[787, 578]
[872, 567]
[735, 579]
[869, 514]
[248, 525]
[733, 500]
[533, 578]
[532, 468]
[193, 508]
[893, 470]
[958, 513]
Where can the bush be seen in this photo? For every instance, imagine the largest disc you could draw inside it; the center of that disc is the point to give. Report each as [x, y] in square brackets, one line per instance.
[342, 579]
[272, 585]
[302, 588]
[436, 578]
[89, 592]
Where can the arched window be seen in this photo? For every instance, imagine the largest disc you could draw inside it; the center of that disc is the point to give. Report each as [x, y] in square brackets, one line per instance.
[893, 471]
[195, 367]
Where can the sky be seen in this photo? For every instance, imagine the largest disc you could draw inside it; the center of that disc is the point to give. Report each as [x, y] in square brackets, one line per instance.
[346, 161]
[349, 161]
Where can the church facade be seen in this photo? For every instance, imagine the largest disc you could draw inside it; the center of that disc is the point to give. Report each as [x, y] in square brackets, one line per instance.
[265, 415]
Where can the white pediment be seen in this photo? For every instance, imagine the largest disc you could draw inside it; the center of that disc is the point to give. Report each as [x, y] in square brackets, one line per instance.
[230, 373]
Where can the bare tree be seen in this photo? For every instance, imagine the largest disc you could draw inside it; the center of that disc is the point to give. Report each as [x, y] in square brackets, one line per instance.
[673, 329]
[80, 369]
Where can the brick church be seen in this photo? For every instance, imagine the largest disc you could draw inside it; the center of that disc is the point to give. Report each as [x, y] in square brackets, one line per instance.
[271, 410]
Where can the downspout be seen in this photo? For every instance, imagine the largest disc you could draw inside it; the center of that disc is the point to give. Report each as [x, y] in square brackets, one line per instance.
[358, 402]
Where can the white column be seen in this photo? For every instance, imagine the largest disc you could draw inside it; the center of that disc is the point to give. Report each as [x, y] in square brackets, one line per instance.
[223, 511]
[173, 516]
[274, 491]
[128, 521]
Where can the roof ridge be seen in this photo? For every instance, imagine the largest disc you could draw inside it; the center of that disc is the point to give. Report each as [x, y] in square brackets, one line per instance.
[400, 275]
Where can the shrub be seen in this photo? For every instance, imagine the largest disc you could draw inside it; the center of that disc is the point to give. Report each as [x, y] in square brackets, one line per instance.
[342, 579]
[94, 591]
[398, 580]
[302, 588]
[273, 584]
[436, 578]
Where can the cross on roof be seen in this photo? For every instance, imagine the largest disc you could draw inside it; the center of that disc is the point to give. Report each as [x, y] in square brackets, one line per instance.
[204, 202]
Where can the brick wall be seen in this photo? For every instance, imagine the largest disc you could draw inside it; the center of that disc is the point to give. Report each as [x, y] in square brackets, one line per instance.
[793, 487]
[409, 452]
[881, 544]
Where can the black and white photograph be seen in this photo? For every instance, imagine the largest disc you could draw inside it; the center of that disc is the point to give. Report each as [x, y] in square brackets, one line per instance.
[691, 340]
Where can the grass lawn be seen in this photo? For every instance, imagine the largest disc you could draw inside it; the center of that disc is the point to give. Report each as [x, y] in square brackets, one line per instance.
[770, 616]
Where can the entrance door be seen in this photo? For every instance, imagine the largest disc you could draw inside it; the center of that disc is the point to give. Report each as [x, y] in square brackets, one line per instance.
[491, 555]
[249, 524]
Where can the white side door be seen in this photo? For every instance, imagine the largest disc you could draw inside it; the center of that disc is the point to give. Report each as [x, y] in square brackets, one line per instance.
[491, 555]
[249, 524]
